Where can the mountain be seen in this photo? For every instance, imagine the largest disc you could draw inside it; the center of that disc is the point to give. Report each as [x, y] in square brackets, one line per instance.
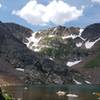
[58, 55]
[92, 32]
[60, 44]
[23, 64]
[77, 48]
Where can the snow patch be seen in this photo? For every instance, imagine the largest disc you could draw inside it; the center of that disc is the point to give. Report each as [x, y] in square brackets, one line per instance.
[25, 88]
[87, 82]
[70, 36]
[33, 40]
[20, 69]
[70, 64]
[80, 33]
[54, 30]
[33, 43]
[72, 95]
[82, 38]
[89, 44]
[79, 83]
[51, 36]
[37, 49]
[60, 93]
[51, 58]
[79, 44]
[73, 36]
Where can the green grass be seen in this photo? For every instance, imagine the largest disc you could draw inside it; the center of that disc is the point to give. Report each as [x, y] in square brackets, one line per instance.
[59, 52]
[7, 97]
[47, 40]
[94, 63]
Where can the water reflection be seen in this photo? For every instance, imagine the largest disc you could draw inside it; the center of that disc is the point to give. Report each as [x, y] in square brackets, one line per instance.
[72, 92]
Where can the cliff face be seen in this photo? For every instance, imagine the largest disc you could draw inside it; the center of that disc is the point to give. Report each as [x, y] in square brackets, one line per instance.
[49, 56]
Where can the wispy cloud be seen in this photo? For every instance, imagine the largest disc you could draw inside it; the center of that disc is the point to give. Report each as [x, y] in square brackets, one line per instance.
[0, 5]
[56, 12]
[96, 1]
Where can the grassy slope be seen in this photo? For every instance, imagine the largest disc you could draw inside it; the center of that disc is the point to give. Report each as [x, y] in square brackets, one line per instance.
[94, 62]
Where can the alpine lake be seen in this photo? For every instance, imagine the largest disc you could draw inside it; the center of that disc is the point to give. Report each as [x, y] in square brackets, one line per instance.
[52, 92]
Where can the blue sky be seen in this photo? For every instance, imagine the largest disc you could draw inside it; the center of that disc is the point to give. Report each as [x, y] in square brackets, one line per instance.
[41, 14]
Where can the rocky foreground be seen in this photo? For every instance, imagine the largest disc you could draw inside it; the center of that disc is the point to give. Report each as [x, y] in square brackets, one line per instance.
[57, 55]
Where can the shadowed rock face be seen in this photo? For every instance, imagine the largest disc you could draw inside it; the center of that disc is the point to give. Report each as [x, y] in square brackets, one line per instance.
[92, 32]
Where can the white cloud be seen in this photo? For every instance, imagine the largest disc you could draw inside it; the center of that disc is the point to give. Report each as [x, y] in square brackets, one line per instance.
[0, 5]
[57, 12]
[96, 1]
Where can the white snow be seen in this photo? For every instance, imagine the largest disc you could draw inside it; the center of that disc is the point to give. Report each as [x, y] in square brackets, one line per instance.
[79, 44]
[20, 69]
[51, 36]
[70, 36]
[36, 49]
[81, 30]
[94, 93]
[73, 36]
[35, 42]
[51, 58]
[80, 33]
[89, 44]
[19, 98]
[60, 93]
[82, 38]
[54, 30]
[87, 82]
[35, 46]
[79, 83]
[70, 64]
[72, 95]
[25, 88]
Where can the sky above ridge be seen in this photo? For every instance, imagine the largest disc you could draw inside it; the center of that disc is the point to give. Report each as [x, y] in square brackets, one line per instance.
[40, 14]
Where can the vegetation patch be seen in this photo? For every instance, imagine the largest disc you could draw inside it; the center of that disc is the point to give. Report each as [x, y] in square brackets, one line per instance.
[60, 51]
[95, 62]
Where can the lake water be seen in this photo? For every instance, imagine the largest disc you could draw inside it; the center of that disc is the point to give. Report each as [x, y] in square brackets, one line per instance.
[41, 92]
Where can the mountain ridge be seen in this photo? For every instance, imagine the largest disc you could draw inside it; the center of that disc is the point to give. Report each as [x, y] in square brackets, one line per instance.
[47, 64]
